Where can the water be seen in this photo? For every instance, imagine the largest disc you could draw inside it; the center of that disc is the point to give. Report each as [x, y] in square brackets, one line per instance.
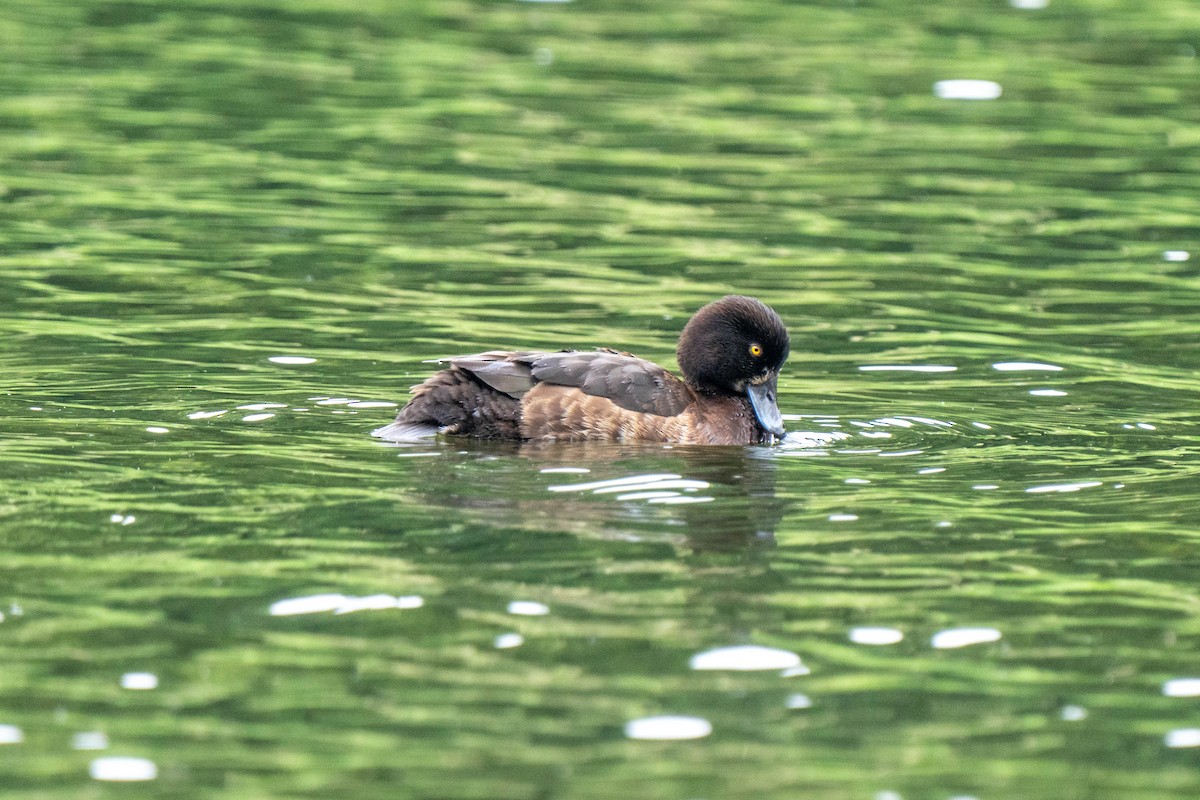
[233, 232]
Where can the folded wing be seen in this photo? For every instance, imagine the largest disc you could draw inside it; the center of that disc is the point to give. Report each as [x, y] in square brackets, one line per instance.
[630, 382]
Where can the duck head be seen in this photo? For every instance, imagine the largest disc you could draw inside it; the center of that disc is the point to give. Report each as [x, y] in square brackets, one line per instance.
[736, 346]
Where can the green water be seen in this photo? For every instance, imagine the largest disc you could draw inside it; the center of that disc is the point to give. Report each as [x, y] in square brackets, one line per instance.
[191, 188]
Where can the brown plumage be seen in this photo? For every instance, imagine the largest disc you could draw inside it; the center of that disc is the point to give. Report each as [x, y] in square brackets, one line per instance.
[730, 354]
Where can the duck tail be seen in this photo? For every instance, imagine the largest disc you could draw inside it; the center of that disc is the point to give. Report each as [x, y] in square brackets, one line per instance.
[405, 432]
[454, 401]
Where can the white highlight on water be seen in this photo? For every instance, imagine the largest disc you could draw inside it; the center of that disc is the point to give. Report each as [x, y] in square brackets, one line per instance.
[797, 701]
[646, 496]
[342, 604]
[379, 602]
[1025, 366]
[139, 681]
[123, 768]
[906, 368]
[744, 658]
[291, 360]
[507, 641]
[1063, 487]
[967, 89]
[1073, 713]
[1182, 687]
[1182, 737]
[681, 483]
[875, 635]
[663, 488]
[632, 480]
[528, 608]
[963, 637]
[668, 728]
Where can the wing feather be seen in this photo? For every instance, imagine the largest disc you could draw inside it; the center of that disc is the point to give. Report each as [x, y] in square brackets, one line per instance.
[503, 371]
[630, 382]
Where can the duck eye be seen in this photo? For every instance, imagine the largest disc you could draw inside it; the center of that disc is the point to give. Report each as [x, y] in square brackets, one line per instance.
[756, 350]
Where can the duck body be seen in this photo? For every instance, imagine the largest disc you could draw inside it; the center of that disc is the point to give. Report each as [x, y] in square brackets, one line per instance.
[730, 353]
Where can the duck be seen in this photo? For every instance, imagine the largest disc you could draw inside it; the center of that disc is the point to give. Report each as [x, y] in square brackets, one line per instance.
[730, 354]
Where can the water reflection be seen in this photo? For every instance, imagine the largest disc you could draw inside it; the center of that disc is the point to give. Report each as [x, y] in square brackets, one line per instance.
[668, 727]
[707, 498]
[907, 368]
[123, 768]
[139, 681]
[797, 701]
[507, 641]
[710, 497]
[653, 488]
[342, 604]
[1182, 737]
[89, 740]
[963, 637]
[293, 360]
[528, 608]
[1061, 488]
[967, 89]
[1182, 687]
[1073, 713]
[1025, 366]
[875, 636]
[745, 658]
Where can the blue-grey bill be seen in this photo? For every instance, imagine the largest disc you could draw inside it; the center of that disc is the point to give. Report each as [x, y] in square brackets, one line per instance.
[762, 400]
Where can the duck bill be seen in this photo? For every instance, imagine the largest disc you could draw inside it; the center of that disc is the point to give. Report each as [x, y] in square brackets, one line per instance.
[762, 400]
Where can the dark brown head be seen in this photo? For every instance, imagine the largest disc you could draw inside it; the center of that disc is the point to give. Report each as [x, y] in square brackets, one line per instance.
[735, 346]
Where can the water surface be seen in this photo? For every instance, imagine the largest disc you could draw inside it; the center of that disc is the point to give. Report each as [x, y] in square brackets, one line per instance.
[233, 233]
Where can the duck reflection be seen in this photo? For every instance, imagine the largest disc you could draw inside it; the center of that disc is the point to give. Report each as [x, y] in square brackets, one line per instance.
[701, 497]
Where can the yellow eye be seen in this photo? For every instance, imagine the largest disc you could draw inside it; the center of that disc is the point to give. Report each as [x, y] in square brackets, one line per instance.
[756, 350]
